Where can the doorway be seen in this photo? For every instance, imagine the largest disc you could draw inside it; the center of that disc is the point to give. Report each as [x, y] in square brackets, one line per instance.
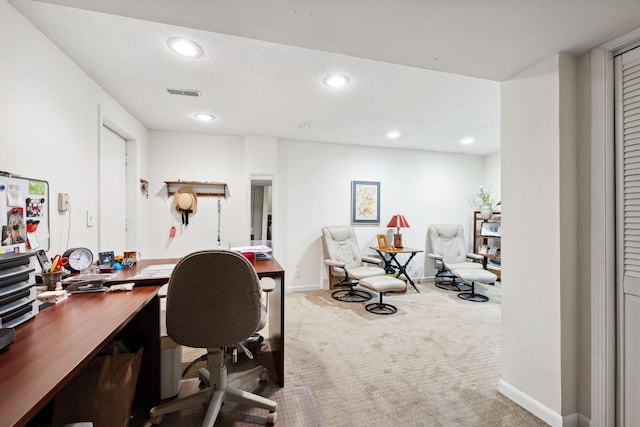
[112, 217]
[261, 209]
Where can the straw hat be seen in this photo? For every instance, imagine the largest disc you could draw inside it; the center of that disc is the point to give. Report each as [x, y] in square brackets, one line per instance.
[185, 199]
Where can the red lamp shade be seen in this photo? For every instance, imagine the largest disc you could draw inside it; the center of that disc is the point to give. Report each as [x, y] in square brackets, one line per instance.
[398, 221]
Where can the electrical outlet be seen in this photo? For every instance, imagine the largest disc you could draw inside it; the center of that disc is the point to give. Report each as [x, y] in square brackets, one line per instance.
[63, 202]
[298, 275]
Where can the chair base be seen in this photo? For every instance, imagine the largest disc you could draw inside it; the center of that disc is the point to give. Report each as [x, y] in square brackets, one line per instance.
[380, 308]
[351, 295]
[219, 388]
[453, 286]
[472, 296]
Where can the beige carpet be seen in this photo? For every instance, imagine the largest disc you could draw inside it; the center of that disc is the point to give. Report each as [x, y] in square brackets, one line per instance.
[434, 363]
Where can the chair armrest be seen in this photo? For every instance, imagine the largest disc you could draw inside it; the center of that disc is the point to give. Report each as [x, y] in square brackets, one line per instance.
[267, 284]
[334, 263]
[477, 257]
[435, 256]
[371, 259]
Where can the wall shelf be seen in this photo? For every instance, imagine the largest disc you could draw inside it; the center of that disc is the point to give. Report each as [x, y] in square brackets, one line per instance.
[201, 188]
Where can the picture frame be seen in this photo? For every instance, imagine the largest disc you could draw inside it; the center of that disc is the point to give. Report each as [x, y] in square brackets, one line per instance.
[107, 259]
[382, 241]
[365, 202]
[491, 229]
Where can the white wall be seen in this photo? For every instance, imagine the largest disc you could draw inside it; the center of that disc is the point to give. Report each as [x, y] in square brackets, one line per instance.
[49, 125]
[492, 175]
[540, 174]
[194, 157]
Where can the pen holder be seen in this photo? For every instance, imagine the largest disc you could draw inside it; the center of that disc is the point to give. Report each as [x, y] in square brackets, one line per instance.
[50, 279]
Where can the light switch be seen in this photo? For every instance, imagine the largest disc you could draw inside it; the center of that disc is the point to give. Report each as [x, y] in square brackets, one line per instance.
[90, 218]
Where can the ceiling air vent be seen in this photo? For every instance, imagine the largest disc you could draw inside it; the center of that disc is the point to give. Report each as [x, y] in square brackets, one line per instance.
[184, 92]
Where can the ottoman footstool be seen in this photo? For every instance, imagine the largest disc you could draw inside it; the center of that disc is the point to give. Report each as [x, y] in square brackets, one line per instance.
[382, 285]
[472, 276]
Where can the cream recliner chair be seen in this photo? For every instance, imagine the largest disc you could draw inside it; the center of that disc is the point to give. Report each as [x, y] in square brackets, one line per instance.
[447, 248]
[214, 302]
[342, 255]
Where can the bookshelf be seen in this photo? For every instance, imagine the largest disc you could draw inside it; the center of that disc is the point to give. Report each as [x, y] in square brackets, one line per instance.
[487, 235]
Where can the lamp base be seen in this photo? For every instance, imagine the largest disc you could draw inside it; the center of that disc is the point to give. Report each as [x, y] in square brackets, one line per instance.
[397, 240]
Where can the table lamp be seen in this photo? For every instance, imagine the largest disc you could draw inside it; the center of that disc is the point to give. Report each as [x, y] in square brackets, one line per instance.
[398, 221]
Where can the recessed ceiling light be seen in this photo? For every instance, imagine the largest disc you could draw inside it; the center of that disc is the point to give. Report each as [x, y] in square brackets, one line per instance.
[393, 134]
[184, 47]
[467, 141]
[336, 80]
[204, 117]
[305, 125]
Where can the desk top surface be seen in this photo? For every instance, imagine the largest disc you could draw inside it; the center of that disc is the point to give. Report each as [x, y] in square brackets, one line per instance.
[53, 346]
[269, 267]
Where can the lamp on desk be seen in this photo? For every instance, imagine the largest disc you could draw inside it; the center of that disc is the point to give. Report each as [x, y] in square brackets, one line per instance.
[398, 221]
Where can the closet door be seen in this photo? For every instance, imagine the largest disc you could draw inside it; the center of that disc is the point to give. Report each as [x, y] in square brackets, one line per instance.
[627, 116]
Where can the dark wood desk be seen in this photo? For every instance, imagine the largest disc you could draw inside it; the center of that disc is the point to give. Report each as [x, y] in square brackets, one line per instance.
[266, 268]
[55, 345]
[391, 263]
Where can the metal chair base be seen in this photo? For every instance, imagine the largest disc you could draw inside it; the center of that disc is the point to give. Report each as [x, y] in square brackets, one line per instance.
[453, 286]
[351, 295]
[381, 307]
[472, 296]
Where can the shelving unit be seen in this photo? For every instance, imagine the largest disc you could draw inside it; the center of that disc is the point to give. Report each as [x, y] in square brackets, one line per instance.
[201, 188]
[486, 241]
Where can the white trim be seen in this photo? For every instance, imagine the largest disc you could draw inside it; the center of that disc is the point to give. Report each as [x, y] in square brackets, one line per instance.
[303, 288]
[541, 411]
[603, 320]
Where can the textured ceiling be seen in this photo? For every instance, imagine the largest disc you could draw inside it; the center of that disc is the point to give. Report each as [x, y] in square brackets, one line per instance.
[268, 80]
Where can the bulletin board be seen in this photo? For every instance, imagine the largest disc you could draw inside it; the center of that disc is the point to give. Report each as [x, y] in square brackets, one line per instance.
[24, 214]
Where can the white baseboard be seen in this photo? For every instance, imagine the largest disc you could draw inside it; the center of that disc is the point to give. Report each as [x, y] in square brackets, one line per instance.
[303, 288]
[536, 408]
[541, 411]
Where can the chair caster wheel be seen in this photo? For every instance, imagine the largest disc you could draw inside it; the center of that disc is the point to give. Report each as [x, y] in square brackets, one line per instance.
[271, 418]
[156, 420]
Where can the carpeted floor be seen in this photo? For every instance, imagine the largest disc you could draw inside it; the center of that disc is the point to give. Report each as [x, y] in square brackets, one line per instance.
[434, 363]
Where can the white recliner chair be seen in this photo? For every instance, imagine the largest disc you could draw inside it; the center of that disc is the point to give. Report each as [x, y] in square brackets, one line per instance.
[342, 255]
[447, 248]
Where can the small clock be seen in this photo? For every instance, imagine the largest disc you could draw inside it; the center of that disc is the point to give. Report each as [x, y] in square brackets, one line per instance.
[79, 258]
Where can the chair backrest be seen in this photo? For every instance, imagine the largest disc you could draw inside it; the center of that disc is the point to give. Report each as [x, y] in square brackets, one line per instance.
[340, 243]
[213, 300]
[447, 240]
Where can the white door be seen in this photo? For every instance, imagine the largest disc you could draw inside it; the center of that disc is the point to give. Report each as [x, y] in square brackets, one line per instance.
[627, 116]
[113, 192]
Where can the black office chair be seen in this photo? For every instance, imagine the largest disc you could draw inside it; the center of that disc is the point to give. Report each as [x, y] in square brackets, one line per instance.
[214, 302]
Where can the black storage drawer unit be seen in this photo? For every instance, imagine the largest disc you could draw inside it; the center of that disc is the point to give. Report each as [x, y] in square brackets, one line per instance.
[17, 290]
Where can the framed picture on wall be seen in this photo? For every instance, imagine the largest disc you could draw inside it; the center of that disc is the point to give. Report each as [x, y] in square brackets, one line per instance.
[365, 202]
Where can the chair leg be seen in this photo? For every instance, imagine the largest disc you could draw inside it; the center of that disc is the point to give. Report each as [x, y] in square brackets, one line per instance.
[472, 296]
[380, 307]
[220, 388]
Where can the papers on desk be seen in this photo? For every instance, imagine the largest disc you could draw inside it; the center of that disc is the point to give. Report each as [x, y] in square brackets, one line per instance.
[87, 277]
[157, 271]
